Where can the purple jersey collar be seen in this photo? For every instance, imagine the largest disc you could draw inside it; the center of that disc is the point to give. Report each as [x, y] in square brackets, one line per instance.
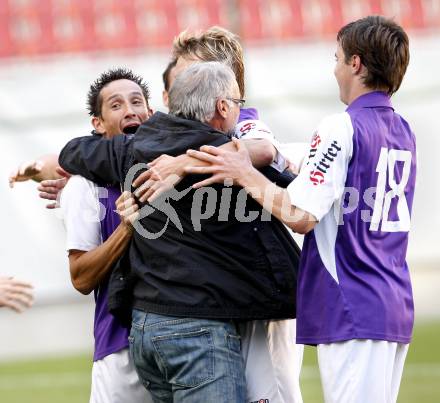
[248, 114]
[371, 100]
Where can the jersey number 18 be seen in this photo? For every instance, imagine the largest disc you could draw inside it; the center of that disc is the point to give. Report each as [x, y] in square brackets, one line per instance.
[386, 163]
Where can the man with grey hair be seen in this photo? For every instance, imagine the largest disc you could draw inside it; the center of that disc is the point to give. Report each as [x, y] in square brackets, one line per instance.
[207, 269]
[198, 102]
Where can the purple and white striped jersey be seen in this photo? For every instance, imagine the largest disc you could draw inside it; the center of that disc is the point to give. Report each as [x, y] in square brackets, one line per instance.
[359, 183]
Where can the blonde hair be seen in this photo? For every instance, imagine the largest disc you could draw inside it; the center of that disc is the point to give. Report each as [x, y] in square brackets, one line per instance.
[216, 44]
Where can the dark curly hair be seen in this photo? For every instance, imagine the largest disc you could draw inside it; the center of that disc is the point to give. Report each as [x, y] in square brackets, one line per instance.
[94, 101]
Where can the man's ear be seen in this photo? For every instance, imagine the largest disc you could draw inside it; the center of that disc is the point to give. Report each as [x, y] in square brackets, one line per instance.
[98, 125]
[151, 112]
[356, 64]
[164, 98]
[222, 108]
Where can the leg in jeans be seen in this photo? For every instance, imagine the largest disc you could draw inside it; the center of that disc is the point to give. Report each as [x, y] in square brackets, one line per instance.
[149, 373]
[188, 360]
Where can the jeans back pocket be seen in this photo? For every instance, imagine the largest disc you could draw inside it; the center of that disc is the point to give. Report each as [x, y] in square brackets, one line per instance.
[188, 356]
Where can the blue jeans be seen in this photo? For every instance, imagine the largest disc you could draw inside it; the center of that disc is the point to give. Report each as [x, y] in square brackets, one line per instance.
[188, 360]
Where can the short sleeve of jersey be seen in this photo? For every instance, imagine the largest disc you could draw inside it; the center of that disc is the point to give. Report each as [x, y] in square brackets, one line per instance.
[255, 129]
[322, 178]
[80, 207]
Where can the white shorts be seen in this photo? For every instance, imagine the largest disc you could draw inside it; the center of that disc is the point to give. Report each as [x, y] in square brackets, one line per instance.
[272, 360]
[361, 371]
[114, 380]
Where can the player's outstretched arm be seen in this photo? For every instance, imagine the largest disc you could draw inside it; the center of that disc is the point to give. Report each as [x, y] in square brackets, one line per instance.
[237, 167]
[166, 171]
[39, 169]
[102, 161]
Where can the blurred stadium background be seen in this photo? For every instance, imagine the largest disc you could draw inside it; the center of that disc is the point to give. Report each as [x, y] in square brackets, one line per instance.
[51, 50]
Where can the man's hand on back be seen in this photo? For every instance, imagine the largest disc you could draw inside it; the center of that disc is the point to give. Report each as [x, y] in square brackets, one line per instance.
[127, 209]
[164, 173]
[224, 164]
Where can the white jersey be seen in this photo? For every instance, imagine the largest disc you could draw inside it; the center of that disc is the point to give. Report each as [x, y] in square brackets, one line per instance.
[255, 129]
[79, 203]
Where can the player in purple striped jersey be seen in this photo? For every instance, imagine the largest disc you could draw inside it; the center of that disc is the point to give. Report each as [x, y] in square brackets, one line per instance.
[353, 200]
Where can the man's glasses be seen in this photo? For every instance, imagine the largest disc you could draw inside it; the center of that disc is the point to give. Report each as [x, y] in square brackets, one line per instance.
[239, 102]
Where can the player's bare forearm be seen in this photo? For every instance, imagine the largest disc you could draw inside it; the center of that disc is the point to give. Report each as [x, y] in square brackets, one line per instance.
[166, 171]
[276, 200]
[237, 167]
[88, 269]
[261, 153]
[42, 168]
[49, 168]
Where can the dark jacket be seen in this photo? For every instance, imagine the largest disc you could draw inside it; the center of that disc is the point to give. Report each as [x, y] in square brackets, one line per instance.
[212, 267]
